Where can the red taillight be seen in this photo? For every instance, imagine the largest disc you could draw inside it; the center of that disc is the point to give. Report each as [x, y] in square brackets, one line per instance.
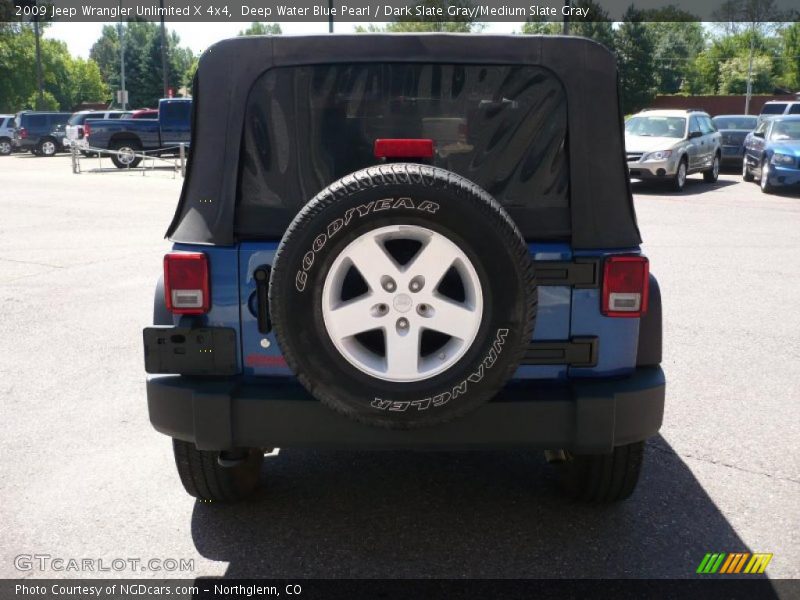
[396, 148]
[186, 283]
[87, 129]
[625, 286]
[23, 133]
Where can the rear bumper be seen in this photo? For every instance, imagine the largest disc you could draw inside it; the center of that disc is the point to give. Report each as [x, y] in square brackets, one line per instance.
[588, 415]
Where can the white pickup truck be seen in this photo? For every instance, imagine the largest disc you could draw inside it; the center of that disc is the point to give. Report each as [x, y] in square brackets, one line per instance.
[74, 129]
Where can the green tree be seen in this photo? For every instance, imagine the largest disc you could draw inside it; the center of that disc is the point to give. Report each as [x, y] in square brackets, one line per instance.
[262, 29]
[143, 66]
[789, 59]
[733, 75]
[634, 46]
[66, 81]
[676, 46]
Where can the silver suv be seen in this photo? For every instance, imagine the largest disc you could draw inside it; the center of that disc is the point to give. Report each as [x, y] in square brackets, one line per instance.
[668, 145]
[6, 134]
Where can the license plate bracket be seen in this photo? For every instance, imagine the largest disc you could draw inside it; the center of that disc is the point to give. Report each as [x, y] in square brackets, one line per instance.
[190, 351]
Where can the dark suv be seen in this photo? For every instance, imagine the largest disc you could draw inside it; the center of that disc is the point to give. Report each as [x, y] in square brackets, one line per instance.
[430, 245]
[41, 132]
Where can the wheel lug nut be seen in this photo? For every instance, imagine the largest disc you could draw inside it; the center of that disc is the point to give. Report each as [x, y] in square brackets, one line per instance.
[416, 283]
[379, 310]
[388, 283]
[402, 323]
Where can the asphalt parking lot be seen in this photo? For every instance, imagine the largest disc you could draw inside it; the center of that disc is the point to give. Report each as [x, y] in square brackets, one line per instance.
[84, 475]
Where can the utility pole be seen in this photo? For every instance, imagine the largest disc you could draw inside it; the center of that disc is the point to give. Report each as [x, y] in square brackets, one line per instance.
[330, 16]
[164, 73]
[123, 97]
[750, 69]
[39, 83]
[565, 25]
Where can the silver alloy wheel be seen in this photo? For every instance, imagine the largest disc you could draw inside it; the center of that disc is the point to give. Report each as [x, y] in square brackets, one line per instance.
[745, 171]
[715, 167]
[126, 155]
[764, 175]
[403, 302]
[681, 174]
[48, 148]
[5, 147]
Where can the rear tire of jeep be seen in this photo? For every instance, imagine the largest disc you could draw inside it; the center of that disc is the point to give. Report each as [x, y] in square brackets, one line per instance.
[5, 147]
[441, 302]
[126, 160]
[204, 477]
[602, 478]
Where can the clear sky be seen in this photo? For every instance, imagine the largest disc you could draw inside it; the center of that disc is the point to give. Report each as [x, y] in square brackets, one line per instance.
[199, 36]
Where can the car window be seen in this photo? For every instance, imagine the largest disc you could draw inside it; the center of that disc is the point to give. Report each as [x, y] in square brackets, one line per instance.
[735, 122]
[78, 118]
[762, 127]
[672, 127]
[706, 126]
[175, 113]
[114, 116]
[785, 130]
[773, 109]
[694, 126]
[794, 109]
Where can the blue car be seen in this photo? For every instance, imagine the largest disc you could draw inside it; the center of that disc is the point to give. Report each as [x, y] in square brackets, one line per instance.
[399, 249]
[772, 153]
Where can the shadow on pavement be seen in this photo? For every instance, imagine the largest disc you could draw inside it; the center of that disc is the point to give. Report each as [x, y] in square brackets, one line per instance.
[475, 514]
[694, 185]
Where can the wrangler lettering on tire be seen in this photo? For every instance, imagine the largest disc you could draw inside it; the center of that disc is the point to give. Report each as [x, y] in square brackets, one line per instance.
[403, 296]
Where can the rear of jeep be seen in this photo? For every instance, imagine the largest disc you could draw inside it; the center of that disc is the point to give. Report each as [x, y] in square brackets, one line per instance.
[430, 245]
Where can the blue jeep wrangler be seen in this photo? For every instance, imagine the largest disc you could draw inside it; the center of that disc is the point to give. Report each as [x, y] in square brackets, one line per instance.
[431, 244]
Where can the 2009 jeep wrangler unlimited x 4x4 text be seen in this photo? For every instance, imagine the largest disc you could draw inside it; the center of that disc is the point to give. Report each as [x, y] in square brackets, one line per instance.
[430, 244]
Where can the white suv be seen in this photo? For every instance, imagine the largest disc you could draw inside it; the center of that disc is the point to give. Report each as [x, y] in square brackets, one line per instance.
[780, 107]
[74, 129]
[668, 145]
[6, 134]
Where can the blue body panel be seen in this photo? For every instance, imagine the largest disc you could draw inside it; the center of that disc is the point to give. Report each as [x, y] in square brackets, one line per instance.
[258, 360]
[619, 337]
[563, 313]
[225, 306]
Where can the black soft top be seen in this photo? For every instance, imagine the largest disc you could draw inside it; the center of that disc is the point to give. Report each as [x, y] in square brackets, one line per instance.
[601, 205]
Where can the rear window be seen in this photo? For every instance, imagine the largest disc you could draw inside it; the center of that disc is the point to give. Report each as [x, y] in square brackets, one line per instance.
[794, 109]
[748, 123]
[79, 118]
[503, 127]
[773, 109]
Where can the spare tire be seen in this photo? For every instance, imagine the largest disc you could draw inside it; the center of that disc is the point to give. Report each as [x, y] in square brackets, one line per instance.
[403, 296]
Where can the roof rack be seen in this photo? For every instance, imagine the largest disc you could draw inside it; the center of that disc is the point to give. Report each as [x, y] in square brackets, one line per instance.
[683, 109]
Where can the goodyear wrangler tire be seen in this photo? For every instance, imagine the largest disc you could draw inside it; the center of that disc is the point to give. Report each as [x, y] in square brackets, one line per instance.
[403, 296]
